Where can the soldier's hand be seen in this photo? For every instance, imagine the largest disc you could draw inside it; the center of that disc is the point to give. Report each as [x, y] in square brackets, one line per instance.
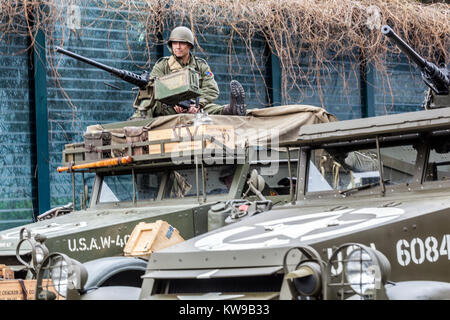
[179, 109]
[193, 109]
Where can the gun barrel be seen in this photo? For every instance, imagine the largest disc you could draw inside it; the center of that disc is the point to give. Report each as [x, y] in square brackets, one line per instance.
[128, 76]
[421, 62]
[85, 60]
[437, 79]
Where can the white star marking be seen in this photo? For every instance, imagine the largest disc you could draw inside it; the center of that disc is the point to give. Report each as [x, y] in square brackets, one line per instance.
[298, 230]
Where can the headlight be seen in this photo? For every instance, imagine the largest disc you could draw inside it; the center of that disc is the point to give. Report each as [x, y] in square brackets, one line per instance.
[305, 280]
[357, 267]
[40, 254]
[57, 275]
[361, 272]
[38, 249]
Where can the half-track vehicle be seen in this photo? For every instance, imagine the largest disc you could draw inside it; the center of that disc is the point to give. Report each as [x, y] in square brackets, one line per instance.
[169, 168]
[381, 182]
[370, 186]
[140, 182]
[369, 219]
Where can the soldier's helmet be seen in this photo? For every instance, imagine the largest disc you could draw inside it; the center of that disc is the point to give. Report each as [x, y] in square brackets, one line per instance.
[181, 34]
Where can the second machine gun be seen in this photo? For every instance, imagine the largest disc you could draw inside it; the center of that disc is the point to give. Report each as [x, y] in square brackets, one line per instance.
[178, 88]
[437, 79]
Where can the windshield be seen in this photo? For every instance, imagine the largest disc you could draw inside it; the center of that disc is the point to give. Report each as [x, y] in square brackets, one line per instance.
[438, 167]
[335, 169]
[120, 187]
[183, 183]
[167, 183]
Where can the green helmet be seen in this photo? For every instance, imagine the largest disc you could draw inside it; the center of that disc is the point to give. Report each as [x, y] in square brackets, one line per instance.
[181, 34]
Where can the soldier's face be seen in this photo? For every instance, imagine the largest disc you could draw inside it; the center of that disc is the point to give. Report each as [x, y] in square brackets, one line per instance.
[181, 49]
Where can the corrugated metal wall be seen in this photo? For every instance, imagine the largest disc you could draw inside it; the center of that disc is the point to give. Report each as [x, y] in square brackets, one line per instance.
[102, 37]
[340, 95]
[17, 140]
[252, 74]
[406, 84]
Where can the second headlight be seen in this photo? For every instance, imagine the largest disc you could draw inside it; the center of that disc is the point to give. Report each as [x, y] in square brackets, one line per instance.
[60, 273]
[365, 269]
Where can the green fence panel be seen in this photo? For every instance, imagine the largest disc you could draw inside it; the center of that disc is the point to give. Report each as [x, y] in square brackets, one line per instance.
[17, 147]
[82, 96]
[404, 92]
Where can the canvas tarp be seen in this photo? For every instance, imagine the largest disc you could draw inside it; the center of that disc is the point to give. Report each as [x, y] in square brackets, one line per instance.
[258, 127]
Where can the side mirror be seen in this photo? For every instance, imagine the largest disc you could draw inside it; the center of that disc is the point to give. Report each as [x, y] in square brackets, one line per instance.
[256, 180]
[256, 184]
[38, 249]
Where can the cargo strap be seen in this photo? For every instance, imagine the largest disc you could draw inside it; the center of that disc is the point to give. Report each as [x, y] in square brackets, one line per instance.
[24, 290]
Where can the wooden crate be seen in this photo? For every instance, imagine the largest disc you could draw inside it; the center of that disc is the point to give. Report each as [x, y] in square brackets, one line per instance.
[223, 134]
[150, 237]
[6, 272]
[12, 289]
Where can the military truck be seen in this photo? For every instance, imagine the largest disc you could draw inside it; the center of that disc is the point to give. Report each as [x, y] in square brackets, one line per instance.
[370, 220]
[169, 168]
[378, 181]
[164, 177]
[377, 188]
[372, 185]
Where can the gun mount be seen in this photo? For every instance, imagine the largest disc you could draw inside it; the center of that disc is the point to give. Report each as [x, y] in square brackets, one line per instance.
[436, 78]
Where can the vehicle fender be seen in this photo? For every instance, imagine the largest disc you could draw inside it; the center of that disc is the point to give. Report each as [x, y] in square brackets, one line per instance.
[113, 293]
[100, 270]
[418, 290]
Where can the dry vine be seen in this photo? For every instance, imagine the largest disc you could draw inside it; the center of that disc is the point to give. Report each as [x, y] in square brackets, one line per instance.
[299, 32]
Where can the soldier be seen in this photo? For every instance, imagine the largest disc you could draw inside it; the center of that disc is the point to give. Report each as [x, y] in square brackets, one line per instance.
[180, 43]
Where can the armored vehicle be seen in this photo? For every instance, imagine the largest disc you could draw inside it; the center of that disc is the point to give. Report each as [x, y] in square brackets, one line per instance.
[170, 168]
[174, 170]
[369, 220]
[382, 182]
[377, 188]
[376, 183]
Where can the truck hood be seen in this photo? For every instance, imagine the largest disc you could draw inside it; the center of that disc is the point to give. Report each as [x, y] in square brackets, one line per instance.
[80, 221]
[262, 240]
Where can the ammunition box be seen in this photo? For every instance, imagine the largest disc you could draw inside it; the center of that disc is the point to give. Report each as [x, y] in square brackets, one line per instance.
[147, 238]
[178, 86]
[93, 140]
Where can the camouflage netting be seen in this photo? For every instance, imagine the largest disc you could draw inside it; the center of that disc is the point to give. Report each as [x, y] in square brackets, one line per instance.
[315, 31]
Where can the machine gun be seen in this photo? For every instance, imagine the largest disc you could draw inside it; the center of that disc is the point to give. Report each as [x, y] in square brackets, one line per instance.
[139, 80]
[437, 79]
[171, 89]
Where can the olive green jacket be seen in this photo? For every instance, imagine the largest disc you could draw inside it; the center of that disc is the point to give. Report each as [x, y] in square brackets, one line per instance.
[208, 86]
